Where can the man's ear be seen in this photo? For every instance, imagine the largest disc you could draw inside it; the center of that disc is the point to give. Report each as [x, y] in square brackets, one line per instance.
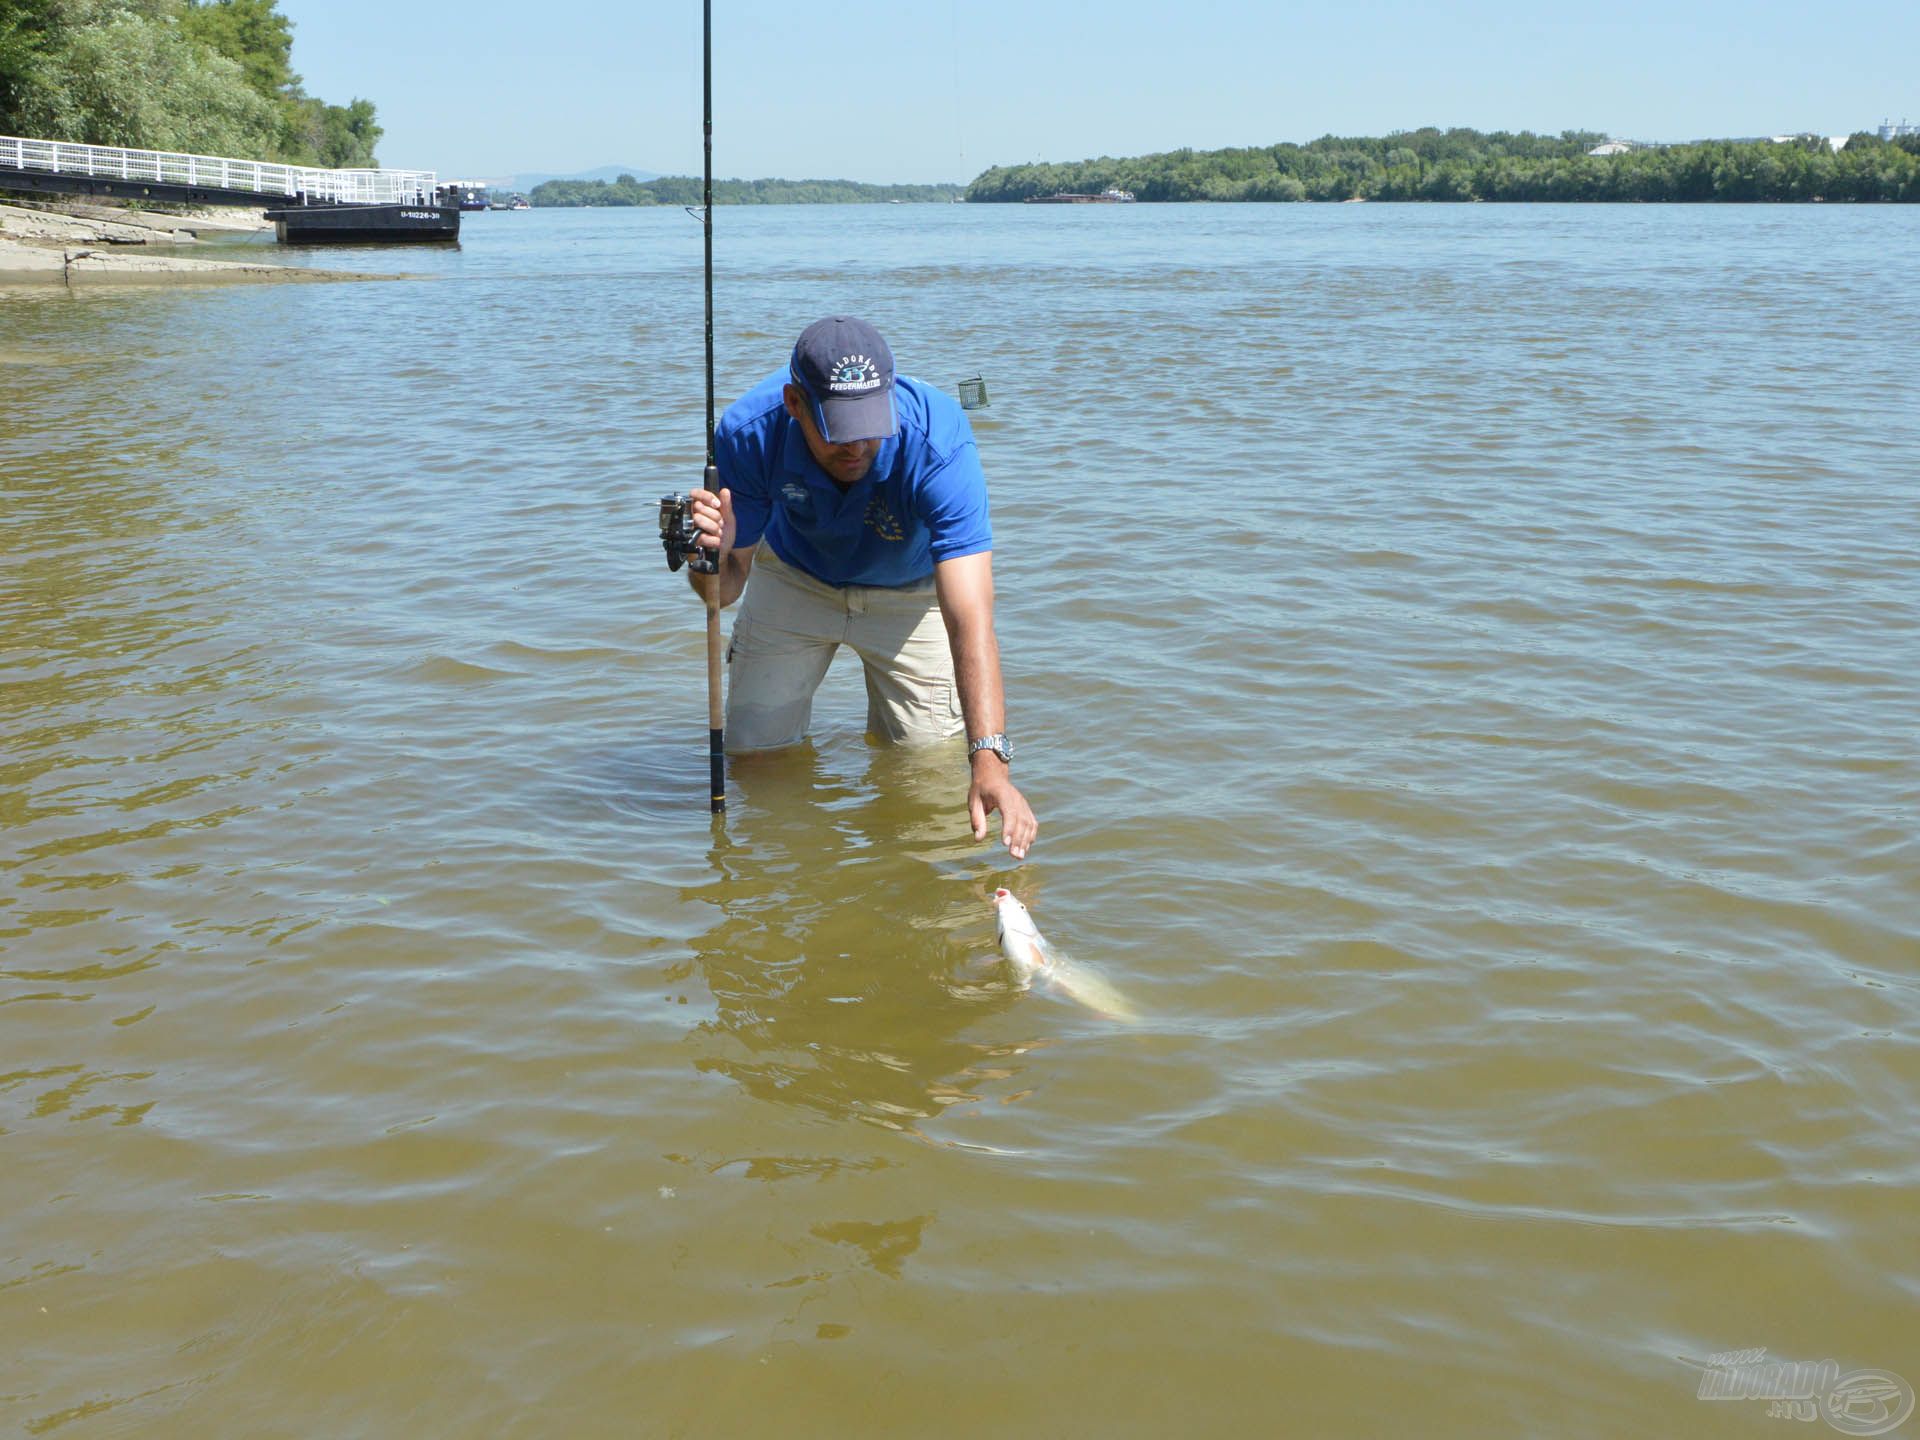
[795, 398]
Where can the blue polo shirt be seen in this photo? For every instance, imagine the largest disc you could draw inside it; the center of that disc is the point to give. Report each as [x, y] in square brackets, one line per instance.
[923, 501]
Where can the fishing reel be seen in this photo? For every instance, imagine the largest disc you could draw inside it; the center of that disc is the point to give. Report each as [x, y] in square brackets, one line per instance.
[680, 537]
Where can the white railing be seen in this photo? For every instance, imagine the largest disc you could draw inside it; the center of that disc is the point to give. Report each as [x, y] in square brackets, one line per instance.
[277, 182]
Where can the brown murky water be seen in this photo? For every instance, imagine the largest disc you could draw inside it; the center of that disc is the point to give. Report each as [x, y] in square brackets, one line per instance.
[1464, 662]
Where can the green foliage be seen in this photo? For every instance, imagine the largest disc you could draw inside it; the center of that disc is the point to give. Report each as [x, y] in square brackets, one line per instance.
[309, 131]
[1398, 166]
[26, 33]
[350, 135]
[686, 190]
[1456, 165]
[133, 79]
[214, 77]
[250, 32]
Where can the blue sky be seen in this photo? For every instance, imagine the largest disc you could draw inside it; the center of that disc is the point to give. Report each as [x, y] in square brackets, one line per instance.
[928, 90]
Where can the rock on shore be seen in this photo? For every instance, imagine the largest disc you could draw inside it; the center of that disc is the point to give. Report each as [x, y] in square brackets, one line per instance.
[69, 244]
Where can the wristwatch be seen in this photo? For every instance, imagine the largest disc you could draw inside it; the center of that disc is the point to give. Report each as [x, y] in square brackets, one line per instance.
[998, 744]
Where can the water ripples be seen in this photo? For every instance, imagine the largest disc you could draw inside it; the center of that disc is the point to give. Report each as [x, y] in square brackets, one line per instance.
[1461, 675]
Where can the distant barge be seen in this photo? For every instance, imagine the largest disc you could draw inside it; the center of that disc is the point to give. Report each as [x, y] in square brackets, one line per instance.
[467, 194]
[1067, 197]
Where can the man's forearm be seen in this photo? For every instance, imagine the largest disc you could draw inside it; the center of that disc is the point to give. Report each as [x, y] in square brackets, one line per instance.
[965, 587]
[976, 672]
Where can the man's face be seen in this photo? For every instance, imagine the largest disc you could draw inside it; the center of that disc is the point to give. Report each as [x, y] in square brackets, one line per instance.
[845, 463]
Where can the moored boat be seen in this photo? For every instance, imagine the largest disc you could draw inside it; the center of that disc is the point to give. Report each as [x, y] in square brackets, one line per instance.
[364, 224]
[1069, 197]
[467, 194]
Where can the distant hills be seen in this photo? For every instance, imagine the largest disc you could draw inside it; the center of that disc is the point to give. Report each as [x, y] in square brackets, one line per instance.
[524, 183]
[628, 189]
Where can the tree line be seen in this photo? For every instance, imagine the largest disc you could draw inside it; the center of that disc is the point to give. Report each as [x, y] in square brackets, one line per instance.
[1459, 164]
[210, 77]
[686, 190]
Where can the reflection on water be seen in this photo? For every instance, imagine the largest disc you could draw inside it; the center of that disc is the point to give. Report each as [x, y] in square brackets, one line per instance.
[885, 1246]
[845, 961]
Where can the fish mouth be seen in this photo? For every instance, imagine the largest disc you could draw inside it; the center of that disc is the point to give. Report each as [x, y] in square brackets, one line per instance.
[1003, 894]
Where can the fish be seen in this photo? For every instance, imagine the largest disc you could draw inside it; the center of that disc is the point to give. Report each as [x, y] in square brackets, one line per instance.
[1032, 959]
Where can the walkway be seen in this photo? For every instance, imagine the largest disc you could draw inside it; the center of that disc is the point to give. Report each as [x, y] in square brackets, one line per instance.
[54, 165]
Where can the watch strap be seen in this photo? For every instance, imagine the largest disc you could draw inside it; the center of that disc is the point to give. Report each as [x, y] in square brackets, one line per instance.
[999, 744]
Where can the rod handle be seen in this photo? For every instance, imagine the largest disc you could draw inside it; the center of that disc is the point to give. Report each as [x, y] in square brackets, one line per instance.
[716, 745]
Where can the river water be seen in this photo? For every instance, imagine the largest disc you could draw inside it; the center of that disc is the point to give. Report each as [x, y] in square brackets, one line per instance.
[1464, 663]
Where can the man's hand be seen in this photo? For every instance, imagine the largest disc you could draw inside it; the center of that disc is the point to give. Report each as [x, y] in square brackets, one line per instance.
[713, 517]
[993, 789]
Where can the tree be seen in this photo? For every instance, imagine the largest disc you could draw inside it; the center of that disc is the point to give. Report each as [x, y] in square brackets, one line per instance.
[136, 81]
[250, 32]
[1275, 187]
[27, 30]
[1457, 164]
[349, 136]
[209, 76]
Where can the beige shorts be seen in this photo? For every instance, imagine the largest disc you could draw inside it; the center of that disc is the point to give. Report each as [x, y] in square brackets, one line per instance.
[785, 634]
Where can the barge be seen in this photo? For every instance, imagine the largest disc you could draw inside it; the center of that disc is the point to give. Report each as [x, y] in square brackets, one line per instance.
[1068, 197]
[365, 224]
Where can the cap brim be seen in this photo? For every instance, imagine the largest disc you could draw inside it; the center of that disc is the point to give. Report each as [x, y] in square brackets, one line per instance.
[842, 420]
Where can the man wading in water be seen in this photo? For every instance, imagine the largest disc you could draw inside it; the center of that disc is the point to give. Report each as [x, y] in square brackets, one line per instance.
[855, 499]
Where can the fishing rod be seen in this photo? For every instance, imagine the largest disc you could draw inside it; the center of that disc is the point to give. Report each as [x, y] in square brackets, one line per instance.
[716, 749]
[677, 531]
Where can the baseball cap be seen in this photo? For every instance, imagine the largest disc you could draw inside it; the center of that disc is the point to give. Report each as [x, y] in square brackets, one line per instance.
[847, 371]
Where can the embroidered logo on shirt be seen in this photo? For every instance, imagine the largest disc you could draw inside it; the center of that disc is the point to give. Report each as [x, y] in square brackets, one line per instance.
[796, 493]
[882, 521]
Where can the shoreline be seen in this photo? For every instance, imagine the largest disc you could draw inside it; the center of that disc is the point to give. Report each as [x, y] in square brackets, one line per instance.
[51, 242]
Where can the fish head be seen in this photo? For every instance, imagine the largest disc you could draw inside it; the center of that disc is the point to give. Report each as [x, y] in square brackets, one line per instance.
[1012, 917]
[1019, 937]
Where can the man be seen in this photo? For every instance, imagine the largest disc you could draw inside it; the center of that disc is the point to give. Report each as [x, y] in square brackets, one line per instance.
[855, 500]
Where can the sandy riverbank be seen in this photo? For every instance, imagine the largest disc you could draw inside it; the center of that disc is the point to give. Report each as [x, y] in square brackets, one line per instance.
[81, 243]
